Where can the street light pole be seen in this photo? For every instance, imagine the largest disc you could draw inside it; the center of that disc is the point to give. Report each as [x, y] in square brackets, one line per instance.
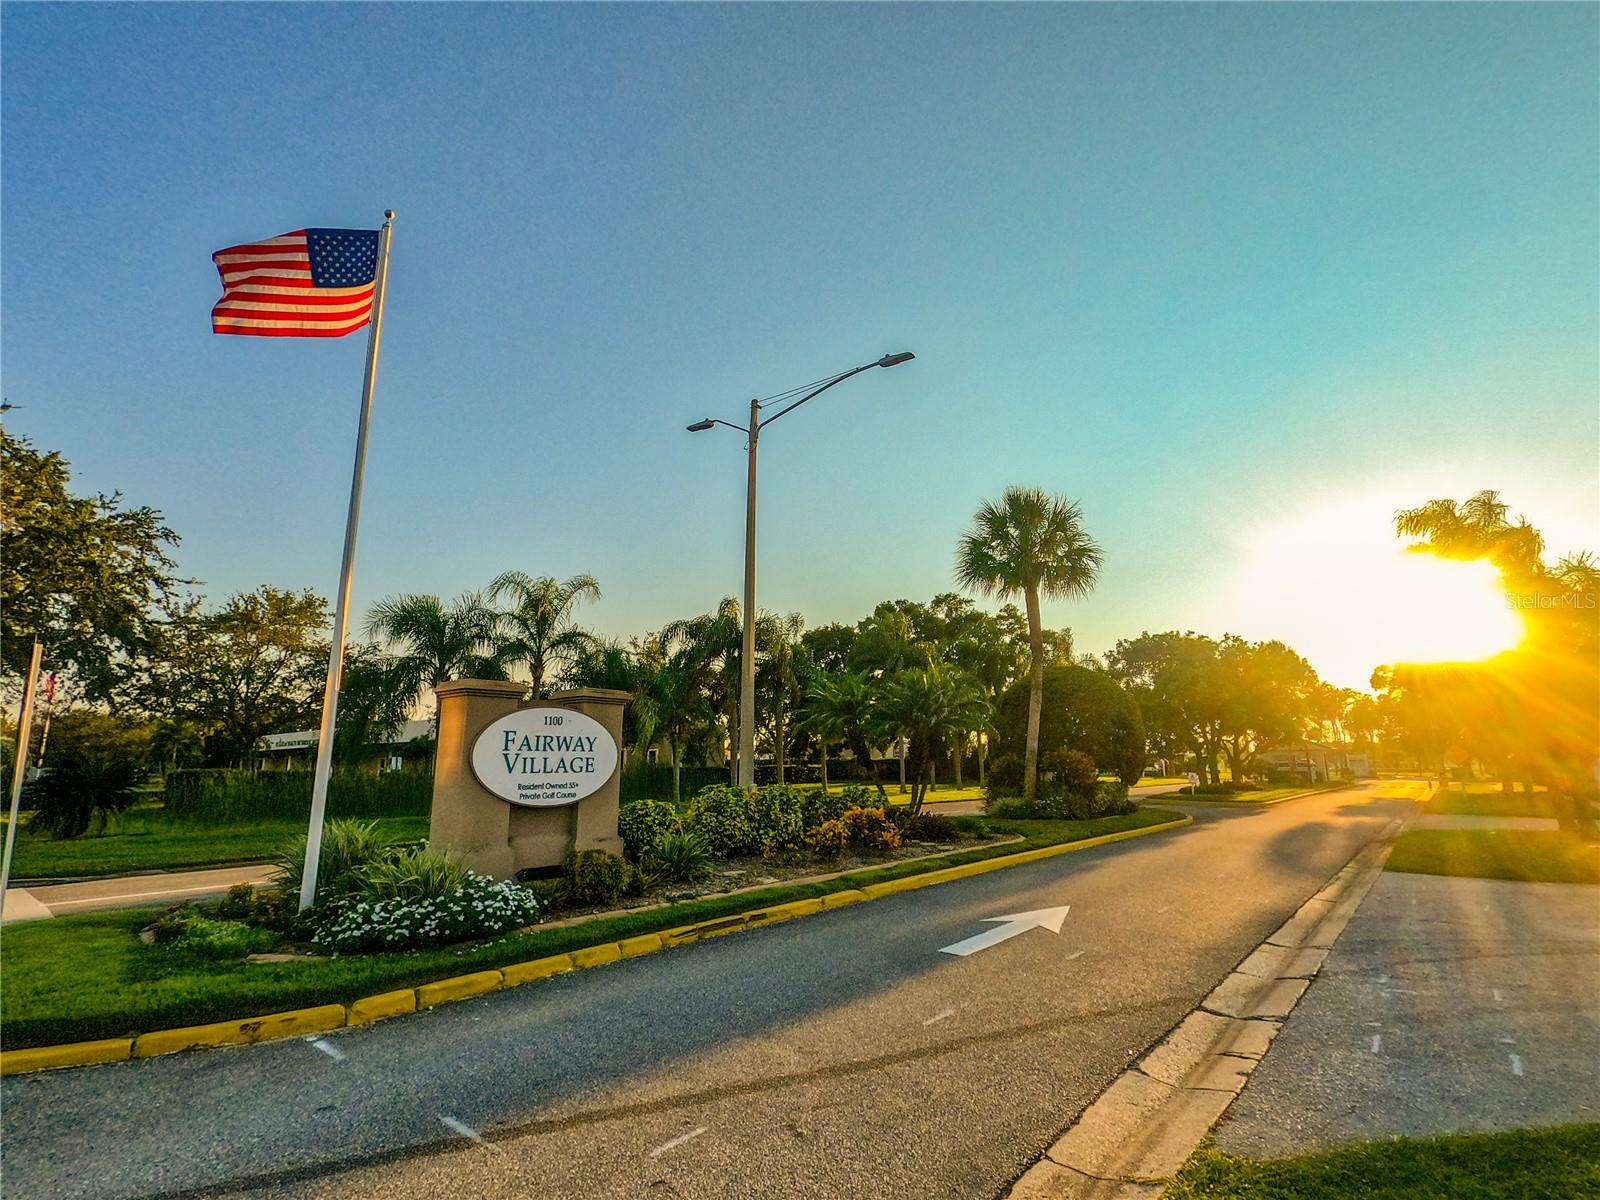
[747, 641]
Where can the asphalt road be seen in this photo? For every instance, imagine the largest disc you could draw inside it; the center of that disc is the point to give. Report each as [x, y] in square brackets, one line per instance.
[1447, 1006]
[836, 1056]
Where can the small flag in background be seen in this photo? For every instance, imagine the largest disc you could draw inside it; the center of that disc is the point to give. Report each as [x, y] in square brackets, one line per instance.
[309, 283]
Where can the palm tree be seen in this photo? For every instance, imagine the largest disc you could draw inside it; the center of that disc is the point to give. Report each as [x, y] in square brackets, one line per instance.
[712, 641]
[1034, 543]
[932, 709]
[671, 699]
[538, 630]
[839, 705]
[778, 678]
[434, 642]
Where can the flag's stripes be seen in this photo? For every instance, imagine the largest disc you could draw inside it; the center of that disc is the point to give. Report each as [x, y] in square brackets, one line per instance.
[269, 290]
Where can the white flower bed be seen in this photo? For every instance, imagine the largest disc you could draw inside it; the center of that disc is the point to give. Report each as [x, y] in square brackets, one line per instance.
[480, 908]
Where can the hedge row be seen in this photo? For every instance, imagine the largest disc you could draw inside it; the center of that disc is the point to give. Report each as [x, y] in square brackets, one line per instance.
[224, 795]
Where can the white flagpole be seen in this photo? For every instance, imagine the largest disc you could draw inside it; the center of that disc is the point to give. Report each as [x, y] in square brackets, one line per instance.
[341, 609]
[19, 767]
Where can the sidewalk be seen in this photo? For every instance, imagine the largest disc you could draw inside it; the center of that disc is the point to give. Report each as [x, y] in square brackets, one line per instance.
[1449, 1005]
[126, 891]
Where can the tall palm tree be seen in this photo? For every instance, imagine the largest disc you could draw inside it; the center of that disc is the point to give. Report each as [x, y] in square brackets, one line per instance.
[433, 641]
[932, 709]
[1034, 543]
[537, 630]
[778, 678]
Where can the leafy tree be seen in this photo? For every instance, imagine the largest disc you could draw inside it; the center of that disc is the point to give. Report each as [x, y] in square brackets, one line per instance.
[255, 666]
[931, 707]
[1033, 543]
[1268, 693]
[88, 576]
[1083, 710]
[434, 642]
[1174, 678]
[537, 630]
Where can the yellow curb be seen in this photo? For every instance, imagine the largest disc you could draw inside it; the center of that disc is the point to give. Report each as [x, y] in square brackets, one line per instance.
[73, 1054]
[458, 987]
[645, 943]
[237, 1033]
[539, 968]
[370, 1008]
[386, 1004]
[595, 956]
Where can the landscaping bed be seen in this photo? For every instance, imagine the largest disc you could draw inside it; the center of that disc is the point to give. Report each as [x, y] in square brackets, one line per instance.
[84, 977]
[1532, 855]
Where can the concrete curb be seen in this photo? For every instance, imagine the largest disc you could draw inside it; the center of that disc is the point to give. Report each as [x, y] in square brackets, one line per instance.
[324, 1018]
[1146, 1124]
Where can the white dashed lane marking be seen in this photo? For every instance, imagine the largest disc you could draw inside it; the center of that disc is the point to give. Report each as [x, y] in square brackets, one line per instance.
[1516, 1065]
[940, 1016]
[677, 1141]
[327, 1048]
[465, 1130]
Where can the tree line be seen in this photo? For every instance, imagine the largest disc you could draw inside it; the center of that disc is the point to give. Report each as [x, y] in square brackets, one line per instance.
[946, 680]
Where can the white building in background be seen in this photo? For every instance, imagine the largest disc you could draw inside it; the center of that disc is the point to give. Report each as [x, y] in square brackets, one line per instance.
[298, 750]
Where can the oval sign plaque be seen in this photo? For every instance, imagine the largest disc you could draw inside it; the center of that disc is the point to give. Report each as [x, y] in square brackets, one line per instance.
[544, 757]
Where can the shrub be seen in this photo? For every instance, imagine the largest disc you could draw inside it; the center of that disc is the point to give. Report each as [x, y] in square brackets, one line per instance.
[1073, 771]
[871, 829]
[481, 907]
[594, 877]
[347, 846]
[643, 824]
[821, 807]
[681, 856]
[829, 839]
[1004, 774]
[82, 787]
[778, 815]
[927, 827]
[236, 904]
[414, 874]
[723, 816]
[184, 927]
[1112, 800]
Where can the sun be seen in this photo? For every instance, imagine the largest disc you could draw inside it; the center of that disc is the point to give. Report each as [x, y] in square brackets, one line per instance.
[1338, 586]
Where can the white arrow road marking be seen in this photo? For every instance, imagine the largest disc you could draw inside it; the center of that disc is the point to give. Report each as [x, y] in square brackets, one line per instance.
[1009, 927]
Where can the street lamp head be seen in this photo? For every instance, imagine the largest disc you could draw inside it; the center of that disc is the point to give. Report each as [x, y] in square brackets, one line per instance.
[701, 426]
[894, 360]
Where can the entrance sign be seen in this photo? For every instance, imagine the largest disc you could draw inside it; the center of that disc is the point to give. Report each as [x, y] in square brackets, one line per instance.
[544, 757]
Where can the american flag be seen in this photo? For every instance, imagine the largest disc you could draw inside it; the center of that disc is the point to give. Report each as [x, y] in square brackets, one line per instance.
[309, 283]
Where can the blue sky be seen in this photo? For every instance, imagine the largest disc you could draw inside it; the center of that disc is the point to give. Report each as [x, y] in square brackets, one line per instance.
[1220, 273]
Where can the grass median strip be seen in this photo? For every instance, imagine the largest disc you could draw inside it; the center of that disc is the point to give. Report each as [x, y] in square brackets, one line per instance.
[1521, 1165]
[82, 978]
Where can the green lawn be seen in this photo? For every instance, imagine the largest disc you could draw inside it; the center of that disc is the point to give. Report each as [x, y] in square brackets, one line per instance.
[1531, 1164]
[76, 978]
[149, 842]
[1534, 855]
[1487, 800]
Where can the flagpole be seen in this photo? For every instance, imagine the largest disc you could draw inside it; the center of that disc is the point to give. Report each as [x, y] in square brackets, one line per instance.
[341, 609]
[19, 767]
